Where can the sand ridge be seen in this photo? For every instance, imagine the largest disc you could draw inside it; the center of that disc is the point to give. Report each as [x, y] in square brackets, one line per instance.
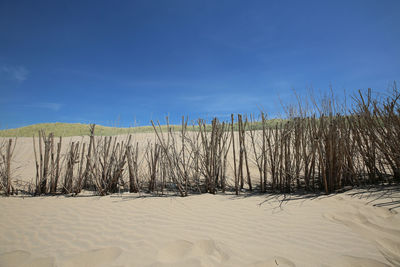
[199, 230]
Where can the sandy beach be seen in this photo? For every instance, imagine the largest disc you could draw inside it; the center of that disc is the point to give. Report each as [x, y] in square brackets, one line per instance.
[201, 230]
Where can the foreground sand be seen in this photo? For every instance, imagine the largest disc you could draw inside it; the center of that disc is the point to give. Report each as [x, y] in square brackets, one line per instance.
[203, 230]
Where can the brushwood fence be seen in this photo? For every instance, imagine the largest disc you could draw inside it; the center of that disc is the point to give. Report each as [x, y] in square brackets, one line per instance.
[327, 148]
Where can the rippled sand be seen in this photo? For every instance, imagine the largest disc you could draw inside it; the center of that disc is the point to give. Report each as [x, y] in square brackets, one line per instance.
[202, 230]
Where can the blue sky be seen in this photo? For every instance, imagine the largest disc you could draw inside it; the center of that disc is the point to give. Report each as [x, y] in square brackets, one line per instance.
[117, 62]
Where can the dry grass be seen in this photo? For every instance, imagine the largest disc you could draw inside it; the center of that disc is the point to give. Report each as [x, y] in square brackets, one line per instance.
[6, 152]
[325, 147]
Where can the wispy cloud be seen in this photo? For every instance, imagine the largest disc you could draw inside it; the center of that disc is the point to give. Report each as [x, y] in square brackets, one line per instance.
[45, 105]
[17, 73]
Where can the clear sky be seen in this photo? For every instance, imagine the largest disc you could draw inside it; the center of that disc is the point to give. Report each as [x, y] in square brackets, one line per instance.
[117, 62]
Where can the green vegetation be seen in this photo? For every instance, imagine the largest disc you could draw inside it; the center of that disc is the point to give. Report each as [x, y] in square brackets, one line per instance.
[69, 129]
[78, 129]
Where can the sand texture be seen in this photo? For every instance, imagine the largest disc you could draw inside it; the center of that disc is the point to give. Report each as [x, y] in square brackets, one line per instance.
[199, 230]
[355, 228]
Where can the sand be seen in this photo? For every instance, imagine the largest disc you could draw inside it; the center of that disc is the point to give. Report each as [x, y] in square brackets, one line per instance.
[199, 230]
[355, 228]
[23, 160]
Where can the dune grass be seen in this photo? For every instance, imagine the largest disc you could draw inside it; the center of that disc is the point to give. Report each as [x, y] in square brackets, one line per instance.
[69, 129]
[79, 129]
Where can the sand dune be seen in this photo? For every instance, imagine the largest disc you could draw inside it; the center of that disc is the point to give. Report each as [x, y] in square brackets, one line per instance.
[200, 230]
[378, 225]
